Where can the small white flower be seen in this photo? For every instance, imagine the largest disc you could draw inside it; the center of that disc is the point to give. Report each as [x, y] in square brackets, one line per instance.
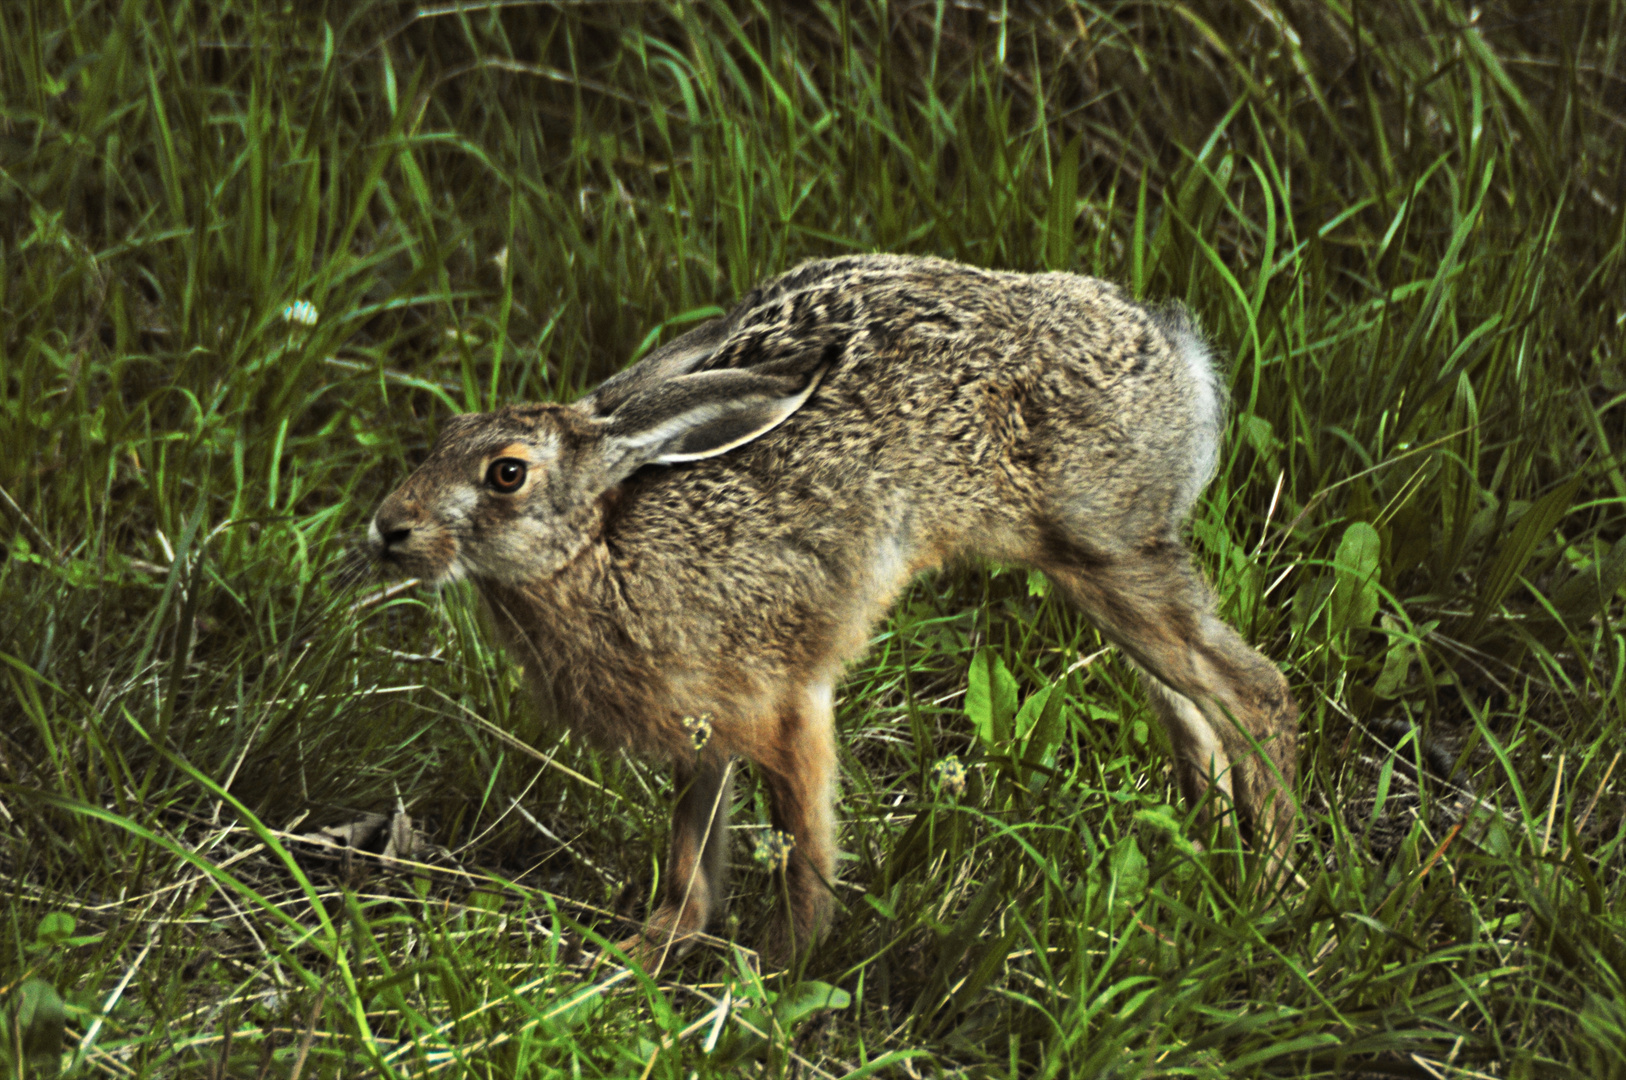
[772, 849]
[302, 312]
[699, 729]
[949, 774]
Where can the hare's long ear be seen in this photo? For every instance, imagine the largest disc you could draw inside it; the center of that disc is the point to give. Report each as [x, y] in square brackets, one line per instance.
[670, 361]
[699, 416]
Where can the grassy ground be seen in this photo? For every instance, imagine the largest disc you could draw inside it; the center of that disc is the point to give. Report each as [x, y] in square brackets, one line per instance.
[1402, 224]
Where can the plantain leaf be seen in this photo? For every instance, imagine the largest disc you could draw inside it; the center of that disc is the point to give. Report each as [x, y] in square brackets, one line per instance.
[1354, 598]
[1397, 663]
[41, 1019]
[1040, 723]
[1031, 710]
[990, 698]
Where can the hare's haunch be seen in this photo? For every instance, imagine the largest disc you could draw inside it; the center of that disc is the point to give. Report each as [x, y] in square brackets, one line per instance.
[717, 530]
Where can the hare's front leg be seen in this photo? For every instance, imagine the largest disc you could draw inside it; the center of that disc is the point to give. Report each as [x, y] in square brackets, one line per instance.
[796, 753]
[694, 882]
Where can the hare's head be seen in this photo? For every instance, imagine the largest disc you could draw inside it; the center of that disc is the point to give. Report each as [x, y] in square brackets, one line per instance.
[513, 496]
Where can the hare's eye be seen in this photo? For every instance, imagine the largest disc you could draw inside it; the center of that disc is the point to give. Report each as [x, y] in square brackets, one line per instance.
[506, 475]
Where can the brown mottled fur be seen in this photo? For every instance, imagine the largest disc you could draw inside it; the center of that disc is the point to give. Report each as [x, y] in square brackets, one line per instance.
[851, 423]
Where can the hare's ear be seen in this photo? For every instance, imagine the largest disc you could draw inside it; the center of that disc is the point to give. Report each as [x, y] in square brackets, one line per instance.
[700, 416]
[670, 361]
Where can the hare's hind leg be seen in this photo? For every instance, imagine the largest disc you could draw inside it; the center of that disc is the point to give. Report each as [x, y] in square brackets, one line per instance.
[797, 759]
[692, 887]
[1201, 763]
[1227, 709]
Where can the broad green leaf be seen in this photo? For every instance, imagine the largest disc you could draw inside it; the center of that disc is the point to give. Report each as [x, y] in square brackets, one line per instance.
[1396, 662]
[1167, 822]
[40, 1018]
[1355, 583]
[55, 927]
[1031, 709]
[990, 698]
[1040, 725]
[807, 998]
[1259, 434]
[1129, 873]
[1309, 601]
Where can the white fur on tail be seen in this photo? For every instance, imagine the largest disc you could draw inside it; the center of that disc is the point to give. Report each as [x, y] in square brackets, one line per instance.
[1207, 417]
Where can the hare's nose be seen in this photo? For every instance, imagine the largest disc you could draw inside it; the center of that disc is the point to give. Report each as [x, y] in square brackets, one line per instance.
[386, 535]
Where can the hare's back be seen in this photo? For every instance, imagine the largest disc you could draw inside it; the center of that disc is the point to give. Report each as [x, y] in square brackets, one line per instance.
[1053, 384]
[964, 412]
[929, 334]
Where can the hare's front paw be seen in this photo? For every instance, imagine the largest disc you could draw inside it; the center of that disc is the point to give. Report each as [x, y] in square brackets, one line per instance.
[666, 936]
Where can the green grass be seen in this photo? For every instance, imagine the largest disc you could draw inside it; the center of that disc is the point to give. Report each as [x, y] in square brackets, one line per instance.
[1401, 223]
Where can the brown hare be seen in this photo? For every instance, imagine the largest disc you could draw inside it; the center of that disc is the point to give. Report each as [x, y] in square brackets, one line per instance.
[718, 529]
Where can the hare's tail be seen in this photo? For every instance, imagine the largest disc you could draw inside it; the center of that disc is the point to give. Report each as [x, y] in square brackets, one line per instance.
[1206, 394]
